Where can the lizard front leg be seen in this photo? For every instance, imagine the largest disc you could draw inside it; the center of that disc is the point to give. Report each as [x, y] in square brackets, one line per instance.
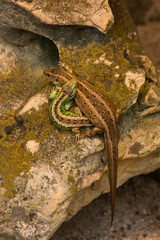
[77, 130]
[54, 93]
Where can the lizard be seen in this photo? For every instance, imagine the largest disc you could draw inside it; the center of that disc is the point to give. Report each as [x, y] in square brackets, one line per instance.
[99, 111]
[60, 105]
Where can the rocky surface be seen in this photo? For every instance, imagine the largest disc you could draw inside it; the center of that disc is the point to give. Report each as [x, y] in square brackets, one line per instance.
[137, 215]
[34, 16]
[45, 176]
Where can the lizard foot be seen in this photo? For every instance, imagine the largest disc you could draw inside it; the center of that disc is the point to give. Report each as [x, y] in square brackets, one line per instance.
[76, 132]
[94, 131]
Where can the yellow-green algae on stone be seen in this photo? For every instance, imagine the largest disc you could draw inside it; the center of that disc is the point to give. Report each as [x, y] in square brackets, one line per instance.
[62, 6]
[16, 87]
[15, 159]
[124, 27]
[18, 83]
[83, 60]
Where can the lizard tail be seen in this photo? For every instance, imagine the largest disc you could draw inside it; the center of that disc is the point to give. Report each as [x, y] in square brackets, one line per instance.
[112, 155]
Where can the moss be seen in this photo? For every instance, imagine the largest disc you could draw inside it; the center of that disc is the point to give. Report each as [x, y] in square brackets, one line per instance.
[83, 60]
[71, 179]
[124, 26]
[34, 128]
[13, 156]
[147, 123]
[14, 160]
[63, 6]
[67, 143]
[16, 87]
[74, 185]
[6, 217]
[33, 205]
[42, 198]
[19, 84]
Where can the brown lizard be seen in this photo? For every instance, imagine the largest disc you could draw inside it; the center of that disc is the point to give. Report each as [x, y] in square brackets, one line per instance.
[98, 110]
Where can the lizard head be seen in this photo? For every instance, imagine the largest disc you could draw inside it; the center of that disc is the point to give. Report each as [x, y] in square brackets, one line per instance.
[56, 76]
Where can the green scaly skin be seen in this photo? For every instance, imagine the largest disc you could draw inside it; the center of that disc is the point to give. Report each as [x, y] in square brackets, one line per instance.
[66, 104]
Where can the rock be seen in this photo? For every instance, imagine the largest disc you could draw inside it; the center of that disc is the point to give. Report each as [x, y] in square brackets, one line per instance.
[30, 15]
[150, 100]
[45, 176]
[146, 64]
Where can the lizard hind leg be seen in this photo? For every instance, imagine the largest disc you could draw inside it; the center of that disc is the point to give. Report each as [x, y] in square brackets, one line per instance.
[94, 131]
[78, 112]
[76, 131]
[54, 93]
[68, 105]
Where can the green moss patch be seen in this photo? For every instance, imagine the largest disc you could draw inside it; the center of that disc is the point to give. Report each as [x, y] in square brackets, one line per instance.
[19, 84]
[15, 159]
[103, 76]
